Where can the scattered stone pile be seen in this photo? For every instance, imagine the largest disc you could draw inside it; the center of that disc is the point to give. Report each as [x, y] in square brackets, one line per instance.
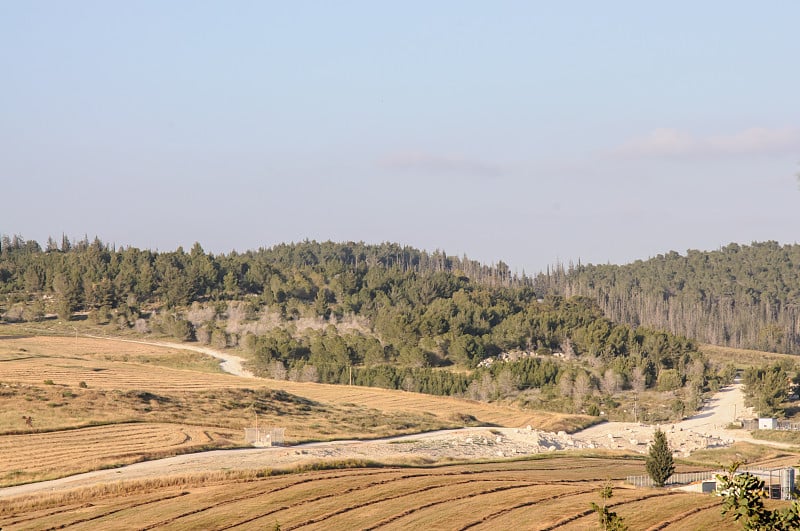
[489, 443]
[637, 438]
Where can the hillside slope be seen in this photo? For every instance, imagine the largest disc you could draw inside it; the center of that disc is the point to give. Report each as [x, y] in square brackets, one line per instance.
[745, 296]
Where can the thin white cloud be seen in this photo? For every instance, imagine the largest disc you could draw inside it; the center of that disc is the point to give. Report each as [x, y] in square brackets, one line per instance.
[435, 164]
[676, 143]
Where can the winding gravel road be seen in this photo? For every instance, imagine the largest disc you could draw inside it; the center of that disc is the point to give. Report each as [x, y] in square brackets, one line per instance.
[708, 426]
[466, 443]
[229, 363]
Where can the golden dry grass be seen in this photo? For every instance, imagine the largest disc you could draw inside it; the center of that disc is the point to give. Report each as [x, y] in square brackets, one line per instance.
[744, 452]
[102, 365]
[447, 407]
[87, 386]
[40, 456]
[740, 357]
[179, 402]
[552, 493]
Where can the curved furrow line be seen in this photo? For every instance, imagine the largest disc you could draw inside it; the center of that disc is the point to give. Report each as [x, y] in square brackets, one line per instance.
[340, 476]
[129, 445]
[252, 496]
[407, 512]
[325, 496]
[390, 498]
[526, 504]
[354, 489]
[572, 518]
[399, 478]
[677, 518]
[109, 513]
[135, 443]
[118, 453]
[51, 513]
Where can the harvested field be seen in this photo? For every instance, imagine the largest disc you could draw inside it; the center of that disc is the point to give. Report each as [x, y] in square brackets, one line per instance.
[550, 493]
[108, 364]
[446, 407]
[40, 456]
[155, 401]
[32, 361]
[75, 385]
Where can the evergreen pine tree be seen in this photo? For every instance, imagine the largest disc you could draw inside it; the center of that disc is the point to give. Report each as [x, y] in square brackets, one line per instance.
[660, 464]
[609, 520]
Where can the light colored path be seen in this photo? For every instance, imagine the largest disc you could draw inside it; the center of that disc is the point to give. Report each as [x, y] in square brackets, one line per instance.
[468, 443]
[707, 427]
[719, 411]
[230, 363]
[259, 458]
[713, 417]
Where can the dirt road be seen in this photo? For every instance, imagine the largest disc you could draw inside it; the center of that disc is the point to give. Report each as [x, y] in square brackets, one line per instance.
[706, 429]
[230, 363]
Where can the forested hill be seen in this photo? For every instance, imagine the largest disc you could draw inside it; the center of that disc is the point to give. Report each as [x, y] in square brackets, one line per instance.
[380, 314]
[178, 278]
[740, 295]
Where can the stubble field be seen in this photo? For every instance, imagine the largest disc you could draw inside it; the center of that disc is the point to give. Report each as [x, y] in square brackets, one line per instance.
[553, 493]
[102, 403]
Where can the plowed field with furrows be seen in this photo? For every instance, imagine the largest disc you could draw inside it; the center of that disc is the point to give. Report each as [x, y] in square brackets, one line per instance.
[542, 494]
[40, 456]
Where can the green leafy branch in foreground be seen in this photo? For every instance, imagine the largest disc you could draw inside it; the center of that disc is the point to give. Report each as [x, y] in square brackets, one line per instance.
[743, 499]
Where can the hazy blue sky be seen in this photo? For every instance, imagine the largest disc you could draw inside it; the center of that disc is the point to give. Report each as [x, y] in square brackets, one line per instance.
[524, 131]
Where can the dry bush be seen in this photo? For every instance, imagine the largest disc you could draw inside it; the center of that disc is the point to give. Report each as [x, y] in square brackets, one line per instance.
[311, 323]
[353, 323]
[15, 313]
[277, 370]
[141, 326]
[611, 382]
[236, 315]
[203, 335]
[199, 314]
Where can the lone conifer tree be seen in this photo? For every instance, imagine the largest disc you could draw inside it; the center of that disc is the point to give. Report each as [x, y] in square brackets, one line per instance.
[660, 464]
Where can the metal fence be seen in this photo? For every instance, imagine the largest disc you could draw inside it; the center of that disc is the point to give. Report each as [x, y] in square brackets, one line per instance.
[674, 479]
[752, 424]
[779, 483]
[264, 436]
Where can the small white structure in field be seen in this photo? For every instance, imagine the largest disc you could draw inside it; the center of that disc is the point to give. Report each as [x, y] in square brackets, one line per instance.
[264, 436]
[767, 423]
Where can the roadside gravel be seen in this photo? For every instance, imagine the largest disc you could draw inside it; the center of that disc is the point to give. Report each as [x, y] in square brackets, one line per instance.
[707, 429]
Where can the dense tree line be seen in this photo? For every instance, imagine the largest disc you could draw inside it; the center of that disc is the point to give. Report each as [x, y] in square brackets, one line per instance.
[740, 296]
[767, 388]
[575, 330]
[381, 315]
[177, 277]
